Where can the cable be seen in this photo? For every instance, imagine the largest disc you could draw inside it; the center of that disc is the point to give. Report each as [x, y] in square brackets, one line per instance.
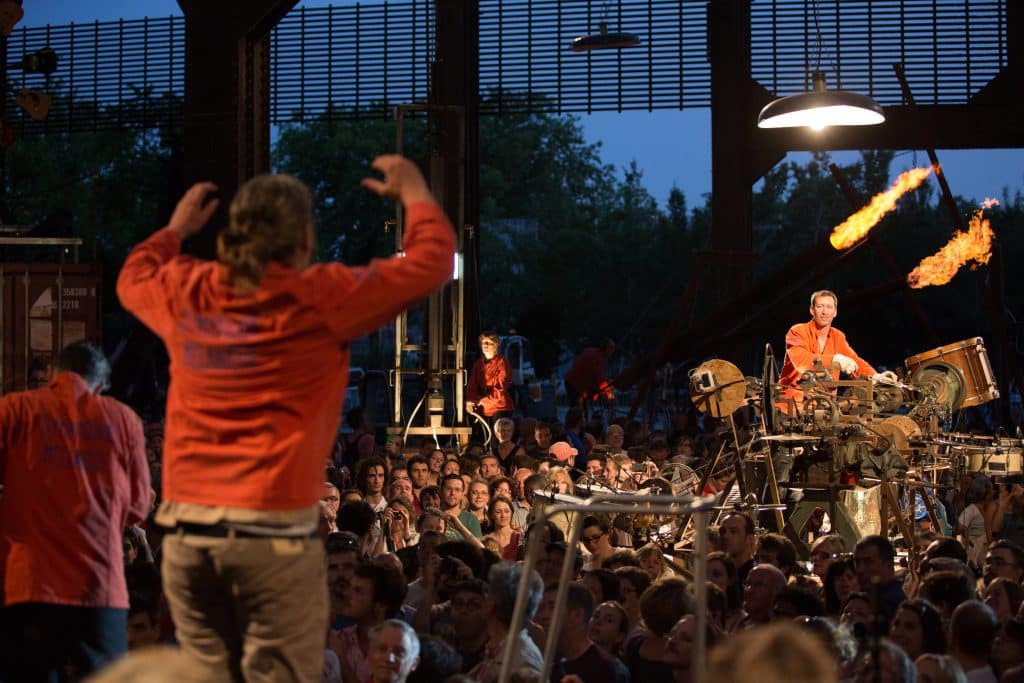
[487, 428]
[408, 425]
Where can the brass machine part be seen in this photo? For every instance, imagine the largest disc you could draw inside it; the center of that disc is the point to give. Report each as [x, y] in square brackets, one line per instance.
[717, 388]
[899, 429]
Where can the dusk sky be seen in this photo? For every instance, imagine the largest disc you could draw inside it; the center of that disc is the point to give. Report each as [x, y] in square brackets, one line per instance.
[670, 147]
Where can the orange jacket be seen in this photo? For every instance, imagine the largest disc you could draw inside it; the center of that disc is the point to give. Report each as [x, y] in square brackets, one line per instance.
[488, 385]
[802, 351]
[74, 469]
[258, 380]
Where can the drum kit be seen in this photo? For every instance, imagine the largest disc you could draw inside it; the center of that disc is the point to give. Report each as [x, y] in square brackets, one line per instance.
[842, 434]
[851, 434]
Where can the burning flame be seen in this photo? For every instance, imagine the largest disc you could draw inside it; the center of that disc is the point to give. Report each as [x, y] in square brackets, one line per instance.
[975, 246]
[847, 233]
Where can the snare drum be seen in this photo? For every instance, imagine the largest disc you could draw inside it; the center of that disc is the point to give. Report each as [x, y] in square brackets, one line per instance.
[997, 463]
[960, 373]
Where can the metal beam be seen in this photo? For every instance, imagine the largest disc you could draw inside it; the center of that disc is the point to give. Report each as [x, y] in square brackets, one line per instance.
[227, 97]
[732, 142]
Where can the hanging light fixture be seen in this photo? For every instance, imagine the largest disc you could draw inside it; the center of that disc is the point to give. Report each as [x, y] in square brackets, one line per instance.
[820, 107]
[604, 40]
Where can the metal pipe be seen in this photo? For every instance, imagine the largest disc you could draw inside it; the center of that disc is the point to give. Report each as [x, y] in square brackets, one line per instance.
[598, 503]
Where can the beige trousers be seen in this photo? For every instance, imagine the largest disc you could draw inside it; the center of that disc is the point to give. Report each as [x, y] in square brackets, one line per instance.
[247, 609]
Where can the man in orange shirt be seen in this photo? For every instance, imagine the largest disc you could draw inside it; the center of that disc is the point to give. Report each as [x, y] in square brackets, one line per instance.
[817, 340]
[73, 465]
[259, 348]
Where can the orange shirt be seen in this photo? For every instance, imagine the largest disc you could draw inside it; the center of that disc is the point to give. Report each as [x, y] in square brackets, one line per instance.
[488, 385]
[74, 469]
[258, 380]
[802, 349]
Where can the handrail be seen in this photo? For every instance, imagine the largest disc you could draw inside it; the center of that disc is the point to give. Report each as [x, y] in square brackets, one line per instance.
[606, 502]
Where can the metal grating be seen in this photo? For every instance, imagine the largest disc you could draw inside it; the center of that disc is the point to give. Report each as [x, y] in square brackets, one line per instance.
[132, 69]
[524, 48]
[356, 61]
[359, 61]
[951, 48]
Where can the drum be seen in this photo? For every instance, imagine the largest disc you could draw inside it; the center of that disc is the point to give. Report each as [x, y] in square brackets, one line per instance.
[997, 462]
[960, 374]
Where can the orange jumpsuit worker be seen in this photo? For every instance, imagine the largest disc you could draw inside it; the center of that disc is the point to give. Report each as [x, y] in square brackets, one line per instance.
[818, 340]
[487, 391]
[73, 465]
[259, 348]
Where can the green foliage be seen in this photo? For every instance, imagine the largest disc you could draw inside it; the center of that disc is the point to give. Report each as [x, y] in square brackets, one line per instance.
[107, 187]
[570, 248]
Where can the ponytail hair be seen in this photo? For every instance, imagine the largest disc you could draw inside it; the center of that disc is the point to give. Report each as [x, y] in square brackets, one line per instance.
[266, 222]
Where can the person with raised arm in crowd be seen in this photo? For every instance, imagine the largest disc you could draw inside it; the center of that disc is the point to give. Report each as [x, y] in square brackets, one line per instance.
[259, 354]
[73, 466]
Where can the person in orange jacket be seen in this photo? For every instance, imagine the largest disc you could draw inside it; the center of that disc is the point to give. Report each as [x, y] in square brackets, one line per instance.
[73, 466]
[818, 340]
[259, 353]
[490, 381]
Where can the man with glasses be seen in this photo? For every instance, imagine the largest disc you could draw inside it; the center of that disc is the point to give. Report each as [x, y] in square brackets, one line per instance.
[452, 493]
[332, 497]
[596, 540]
[1004, 559]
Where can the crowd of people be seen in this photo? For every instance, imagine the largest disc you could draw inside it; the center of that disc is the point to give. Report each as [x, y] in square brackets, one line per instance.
[269, 556]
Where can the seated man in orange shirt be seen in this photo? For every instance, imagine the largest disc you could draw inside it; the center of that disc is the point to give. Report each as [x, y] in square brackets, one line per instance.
[818, 340]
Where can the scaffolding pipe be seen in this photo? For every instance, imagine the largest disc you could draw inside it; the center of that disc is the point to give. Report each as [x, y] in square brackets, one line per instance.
[606, 502]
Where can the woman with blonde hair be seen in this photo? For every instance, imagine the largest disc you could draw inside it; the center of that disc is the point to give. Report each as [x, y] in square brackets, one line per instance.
[652, 561]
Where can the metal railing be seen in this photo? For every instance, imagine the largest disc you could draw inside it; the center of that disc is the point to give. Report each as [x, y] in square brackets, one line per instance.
[606, 503]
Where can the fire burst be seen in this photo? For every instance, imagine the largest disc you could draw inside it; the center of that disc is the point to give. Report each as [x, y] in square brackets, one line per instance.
[847, 233]
[973, 246]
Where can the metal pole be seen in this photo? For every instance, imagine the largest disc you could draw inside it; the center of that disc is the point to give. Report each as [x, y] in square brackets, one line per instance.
[679, 505]
[700, 572]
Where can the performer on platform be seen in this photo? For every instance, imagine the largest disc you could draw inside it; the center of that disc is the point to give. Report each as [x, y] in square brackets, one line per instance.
[490, 381]
[73, 465]
[259, 348]
[818, 340]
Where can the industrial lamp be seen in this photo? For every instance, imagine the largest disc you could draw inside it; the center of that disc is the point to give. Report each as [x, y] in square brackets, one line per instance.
[42, 61]
[604, 39]
[820, 108]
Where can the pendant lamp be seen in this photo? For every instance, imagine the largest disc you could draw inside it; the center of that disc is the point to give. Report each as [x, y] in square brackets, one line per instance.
[820, 108]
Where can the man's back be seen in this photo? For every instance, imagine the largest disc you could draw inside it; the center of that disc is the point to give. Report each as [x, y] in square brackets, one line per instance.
[74, 470]
[258, 378]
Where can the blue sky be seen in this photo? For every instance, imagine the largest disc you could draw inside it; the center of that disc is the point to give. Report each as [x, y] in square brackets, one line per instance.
[672, 148]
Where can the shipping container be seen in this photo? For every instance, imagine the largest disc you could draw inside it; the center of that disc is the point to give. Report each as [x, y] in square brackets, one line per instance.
[43, 307]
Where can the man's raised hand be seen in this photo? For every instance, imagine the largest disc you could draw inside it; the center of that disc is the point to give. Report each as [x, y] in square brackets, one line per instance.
[402, 180]
[194, 210]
